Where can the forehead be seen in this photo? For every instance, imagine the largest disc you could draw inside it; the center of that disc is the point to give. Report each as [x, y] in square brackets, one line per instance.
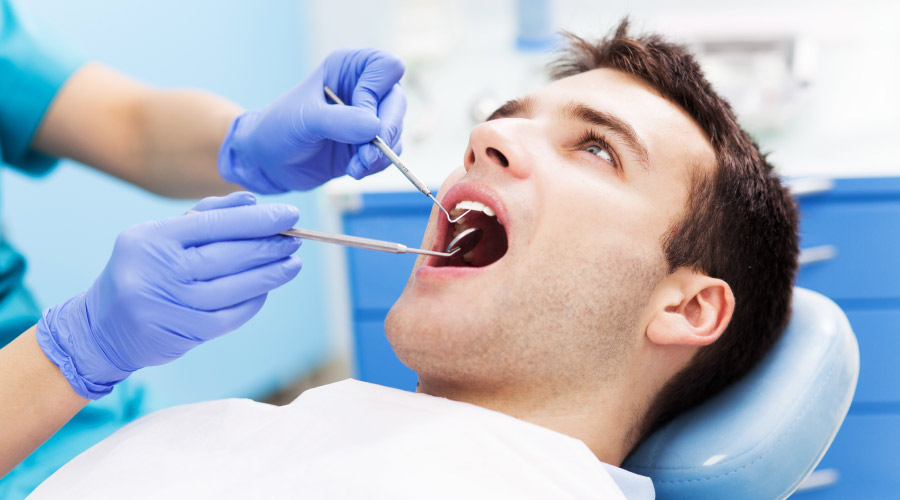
[666, 129]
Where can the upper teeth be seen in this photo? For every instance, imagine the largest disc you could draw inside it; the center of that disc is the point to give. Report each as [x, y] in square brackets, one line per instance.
[472, 205]
[462, 225]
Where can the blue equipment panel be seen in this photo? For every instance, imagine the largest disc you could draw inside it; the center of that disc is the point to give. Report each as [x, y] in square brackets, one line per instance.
[865, 456]
[860, 220]
[377, 279]
[878, 333]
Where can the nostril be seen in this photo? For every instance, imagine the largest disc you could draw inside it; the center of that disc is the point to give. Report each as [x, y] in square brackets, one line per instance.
[497, 156]
[470, 158]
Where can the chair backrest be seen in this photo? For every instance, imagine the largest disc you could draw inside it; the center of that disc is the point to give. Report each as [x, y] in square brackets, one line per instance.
[761, 437]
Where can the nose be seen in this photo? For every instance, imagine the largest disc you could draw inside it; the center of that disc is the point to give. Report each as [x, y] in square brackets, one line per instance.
[499, 143]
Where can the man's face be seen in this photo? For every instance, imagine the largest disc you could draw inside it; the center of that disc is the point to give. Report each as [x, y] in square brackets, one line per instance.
[585, 177]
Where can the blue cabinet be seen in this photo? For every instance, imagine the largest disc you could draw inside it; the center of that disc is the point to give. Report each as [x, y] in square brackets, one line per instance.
[864, 454]
[878, 333]
[377, 279]
[857, 222]
[862, 226]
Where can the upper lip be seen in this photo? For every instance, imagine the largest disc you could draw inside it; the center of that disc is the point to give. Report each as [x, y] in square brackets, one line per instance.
[471, 191]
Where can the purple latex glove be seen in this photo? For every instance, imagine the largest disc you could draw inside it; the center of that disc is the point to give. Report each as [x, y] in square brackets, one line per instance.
[169, 286]
[303, 140]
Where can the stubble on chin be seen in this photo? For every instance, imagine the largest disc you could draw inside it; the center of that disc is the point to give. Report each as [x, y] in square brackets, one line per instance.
[556, 327]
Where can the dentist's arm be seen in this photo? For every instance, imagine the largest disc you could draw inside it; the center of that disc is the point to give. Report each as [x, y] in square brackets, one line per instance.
[188, 143]
[163, 141]
[35, 400]
[169, 286]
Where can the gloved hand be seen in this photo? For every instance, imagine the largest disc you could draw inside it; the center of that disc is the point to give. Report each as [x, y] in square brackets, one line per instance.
[169, 286]
[302, 140]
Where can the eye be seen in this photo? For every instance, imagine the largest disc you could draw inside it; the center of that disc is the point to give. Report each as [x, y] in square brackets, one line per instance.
[600, 152]
[596, 145]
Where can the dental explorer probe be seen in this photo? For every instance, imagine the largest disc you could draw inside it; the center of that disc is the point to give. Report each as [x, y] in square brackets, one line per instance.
[379, 143]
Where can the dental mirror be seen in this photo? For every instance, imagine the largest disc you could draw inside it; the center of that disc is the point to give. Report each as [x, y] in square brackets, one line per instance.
[465, 241]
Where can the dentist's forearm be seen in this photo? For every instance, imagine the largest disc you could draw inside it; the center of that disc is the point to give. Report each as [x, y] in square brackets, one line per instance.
[35, 400]
[182, 132]
[164, 141]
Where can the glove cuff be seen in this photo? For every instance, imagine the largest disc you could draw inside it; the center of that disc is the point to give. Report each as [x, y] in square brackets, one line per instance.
[235, 167]
[65, 337]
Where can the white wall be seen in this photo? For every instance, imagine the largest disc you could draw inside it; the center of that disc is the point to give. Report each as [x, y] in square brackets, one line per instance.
[845, 123]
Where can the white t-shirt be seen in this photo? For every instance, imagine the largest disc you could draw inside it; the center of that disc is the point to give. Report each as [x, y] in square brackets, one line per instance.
[346, 440]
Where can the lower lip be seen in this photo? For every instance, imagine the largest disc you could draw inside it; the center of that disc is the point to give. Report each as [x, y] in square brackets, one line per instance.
[426, 272]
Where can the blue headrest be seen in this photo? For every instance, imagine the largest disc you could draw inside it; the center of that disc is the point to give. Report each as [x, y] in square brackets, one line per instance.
[762, 436]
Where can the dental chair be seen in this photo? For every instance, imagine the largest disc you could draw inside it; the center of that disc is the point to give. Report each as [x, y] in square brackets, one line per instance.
[764, 435]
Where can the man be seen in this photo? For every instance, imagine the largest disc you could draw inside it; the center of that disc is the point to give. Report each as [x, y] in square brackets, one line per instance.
[638, 256]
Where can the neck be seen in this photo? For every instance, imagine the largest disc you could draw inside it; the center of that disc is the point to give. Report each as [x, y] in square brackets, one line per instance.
[600, 418]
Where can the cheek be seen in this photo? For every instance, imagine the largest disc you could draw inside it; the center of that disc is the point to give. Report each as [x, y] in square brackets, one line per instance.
[599, 233]
[599, 213]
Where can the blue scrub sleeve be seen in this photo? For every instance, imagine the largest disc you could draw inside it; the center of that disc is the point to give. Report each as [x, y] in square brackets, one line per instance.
[32, 68]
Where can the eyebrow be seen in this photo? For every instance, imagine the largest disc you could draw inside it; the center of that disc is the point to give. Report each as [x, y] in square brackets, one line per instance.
[621, 128]
[522, 108]
[516, 108]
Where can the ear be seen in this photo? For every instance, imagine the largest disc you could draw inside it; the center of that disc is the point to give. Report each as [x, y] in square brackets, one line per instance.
[689, 309]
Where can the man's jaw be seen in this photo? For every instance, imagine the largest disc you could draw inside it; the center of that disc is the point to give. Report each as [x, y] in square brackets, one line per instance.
[488, 213]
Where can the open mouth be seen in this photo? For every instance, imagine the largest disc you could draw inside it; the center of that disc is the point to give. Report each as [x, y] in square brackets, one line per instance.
[493, 245]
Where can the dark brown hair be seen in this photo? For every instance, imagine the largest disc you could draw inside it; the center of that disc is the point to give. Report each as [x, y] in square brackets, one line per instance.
[739, 224]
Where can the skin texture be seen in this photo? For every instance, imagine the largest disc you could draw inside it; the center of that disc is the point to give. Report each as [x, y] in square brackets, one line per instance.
[163, 141]
[27, 421]
[580, 323]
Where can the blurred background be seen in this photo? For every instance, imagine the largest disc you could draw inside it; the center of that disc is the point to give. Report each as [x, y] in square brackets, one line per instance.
[816, 82]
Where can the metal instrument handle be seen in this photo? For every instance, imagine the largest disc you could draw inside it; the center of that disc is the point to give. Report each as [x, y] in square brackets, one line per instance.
[379, 143]
[343, 239]
[359, 242]
[355, 241]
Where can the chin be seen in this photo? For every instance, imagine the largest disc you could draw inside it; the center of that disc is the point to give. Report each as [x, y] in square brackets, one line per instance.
[428, 339]
[414, 325]
[404, 331]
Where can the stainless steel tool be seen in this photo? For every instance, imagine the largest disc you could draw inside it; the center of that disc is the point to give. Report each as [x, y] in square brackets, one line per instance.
[379, 143]
[463, 242]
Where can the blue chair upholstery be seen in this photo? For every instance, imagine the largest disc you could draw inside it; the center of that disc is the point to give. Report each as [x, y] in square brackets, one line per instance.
[761, 437]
